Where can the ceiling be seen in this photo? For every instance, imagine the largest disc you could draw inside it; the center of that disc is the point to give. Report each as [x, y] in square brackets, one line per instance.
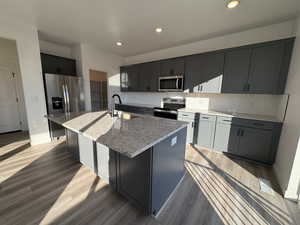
[104, 22]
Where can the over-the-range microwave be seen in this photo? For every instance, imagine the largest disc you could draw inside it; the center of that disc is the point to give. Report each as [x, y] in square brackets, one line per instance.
[170, 83]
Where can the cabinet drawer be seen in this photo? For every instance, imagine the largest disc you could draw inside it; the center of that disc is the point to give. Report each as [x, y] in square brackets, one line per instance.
[208, 117]
[186, 116]
[258, 124]
[224, 119]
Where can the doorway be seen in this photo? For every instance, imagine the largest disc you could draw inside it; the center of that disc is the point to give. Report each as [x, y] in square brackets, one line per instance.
[9, 112]
[98, 89]
[12, 107]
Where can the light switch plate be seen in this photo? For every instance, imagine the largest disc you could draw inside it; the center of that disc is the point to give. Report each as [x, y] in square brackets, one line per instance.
[174, 141]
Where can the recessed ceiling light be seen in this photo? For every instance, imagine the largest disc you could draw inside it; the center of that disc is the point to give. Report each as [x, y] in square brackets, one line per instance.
[158, 30]
[119, 43]
[232, 4]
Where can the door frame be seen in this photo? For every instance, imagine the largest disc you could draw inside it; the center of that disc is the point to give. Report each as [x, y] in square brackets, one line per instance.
[12, 69]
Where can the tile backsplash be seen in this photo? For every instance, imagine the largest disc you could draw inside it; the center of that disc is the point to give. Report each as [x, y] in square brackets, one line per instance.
[271, 105]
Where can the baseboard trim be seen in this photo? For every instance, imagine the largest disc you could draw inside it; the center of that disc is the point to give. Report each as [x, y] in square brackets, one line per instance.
[291, 196]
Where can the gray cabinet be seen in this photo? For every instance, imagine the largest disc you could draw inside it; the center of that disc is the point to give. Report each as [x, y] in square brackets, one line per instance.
[250, 139]
[148, 179]
[266, 62]
[226, 139]
[129, 78]
[206, 130]
[204, 72]
[148, 75]
[258, 69]
[86, 152]
[236, 70]
[255, 144]
[171, 67]
[192, 119]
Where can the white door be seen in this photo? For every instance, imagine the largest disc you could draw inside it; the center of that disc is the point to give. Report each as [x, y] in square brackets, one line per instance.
[9, 111]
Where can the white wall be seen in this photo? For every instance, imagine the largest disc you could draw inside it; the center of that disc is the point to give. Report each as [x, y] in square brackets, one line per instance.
[287, 166]
[56, 49]
[93, 58]
[26, 37]
[9, 58]
[261, 34]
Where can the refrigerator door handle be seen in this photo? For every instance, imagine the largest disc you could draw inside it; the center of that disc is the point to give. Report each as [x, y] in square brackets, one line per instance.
[67, 98]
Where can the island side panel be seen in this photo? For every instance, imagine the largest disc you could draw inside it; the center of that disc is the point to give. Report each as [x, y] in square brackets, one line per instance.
[134, 179]
[72, 143]
[168, 168]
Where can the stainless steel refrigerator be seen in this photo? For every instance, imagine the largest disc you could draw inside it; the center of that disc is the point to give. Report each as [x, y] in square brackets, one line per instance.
[64, 94]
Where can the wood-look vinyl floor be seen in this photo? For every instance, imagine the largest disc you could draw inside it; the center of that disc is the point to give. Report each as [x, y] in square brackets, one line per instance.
[44, 185]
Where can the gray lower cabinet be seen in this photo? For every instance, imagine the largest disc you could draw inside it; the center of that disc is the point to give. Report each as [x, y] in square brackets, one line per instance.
[206, 130]
[192, 119]
[148, 179]
[250, 139]
[255, 144]
[72, 143]
[86, 152]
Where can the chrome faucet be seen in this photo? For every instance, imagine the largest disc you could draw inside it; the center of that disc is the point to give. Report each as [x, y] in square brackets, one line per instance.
[113, 105]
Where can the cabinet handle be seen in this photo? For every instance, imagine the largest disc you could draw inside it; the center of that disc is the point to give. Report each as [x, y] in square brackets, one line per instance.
[205, 117]
[258, 124]
[238, 132]
[226, 120]
[201, 88]
[193, 125]
[242, 133]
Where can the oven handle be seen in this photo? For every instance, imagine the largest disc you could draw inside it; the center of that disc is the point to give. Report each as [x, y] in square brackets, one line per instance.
[165, 111]
[177, 81]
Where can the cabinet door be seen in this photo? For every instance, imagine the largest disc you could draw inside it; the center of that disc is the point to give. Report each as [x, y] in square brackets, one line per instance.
[236, 70]
[86, 152]
[130, 78]
[204, 72]
[266, 61]
[149, 73]
[206, 131]
[255, 144]
[226, 138]
[58, 65]
[172, 67]
[134, 178]
[190, 131]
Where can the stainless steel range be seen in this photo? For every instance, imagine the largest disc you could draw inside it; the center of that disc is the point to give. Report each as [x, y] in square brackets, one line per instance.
[170, 107]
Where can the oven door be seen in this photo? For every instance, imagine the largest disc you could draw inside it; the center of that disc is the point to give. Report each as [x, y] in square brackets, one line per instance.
[165, 113]
[174, 83]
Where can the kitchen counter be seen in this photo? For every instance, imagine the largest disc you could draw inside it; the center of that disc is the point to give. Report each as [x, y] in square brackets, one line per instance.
[128, 137]
[233, 115]
[142, 158]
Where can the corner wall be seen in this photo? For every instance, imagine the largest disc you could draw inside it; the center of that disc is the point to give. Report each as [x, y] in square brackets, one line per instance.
[92, 58]
[287, 166]
[26, 37]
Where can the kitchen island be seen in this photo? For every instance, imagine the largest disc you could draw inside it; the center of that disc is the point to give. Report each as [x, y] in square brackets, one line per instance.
[141, 157]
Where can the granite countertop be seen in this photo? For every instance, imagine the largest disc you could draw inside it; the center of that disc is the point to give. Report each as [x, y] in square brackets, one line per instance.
[129, 137]
[235, 115]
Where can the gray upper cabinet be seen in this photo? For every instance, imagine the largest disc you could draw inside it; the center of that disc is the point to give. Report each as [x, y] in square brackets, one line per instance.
[258, 69]
[172, 67]
[149, 73]
[204, 73]
[236, 70]
[254, 69]
[266, 62]
[129, 78]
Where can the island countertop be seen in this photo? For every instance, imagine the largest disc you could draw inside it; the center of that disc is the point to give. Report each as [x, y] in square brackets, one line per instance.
[129, 137]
